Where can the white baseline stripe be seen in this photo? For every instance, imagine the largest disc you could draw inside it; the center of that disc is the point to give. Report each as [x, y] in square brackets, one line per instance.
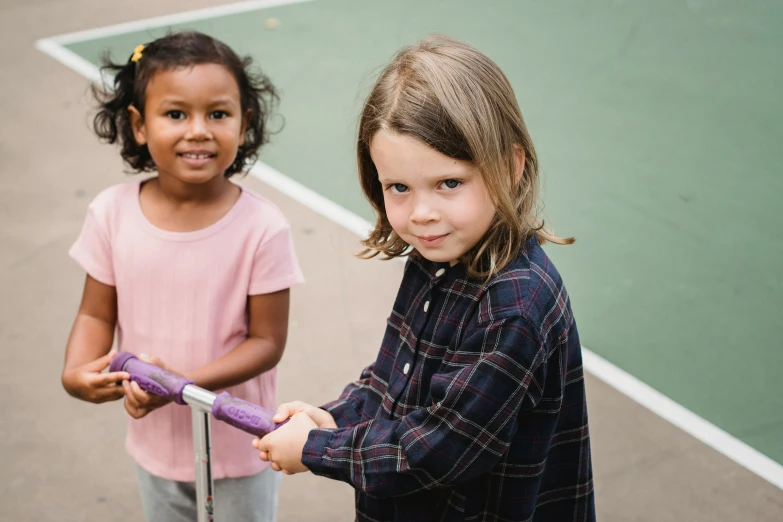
[311, 199]
[178, 18]
[683, 418]
[622, 381]
[69, 59]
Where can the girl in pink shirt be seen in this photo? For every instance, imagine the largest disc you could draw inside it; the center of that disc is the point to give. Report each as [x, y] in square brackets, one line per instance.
[191, 271]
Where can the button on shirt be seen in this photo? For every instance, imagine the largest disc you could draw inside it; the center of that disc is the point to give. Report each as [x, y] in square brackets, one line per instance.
[475, 407]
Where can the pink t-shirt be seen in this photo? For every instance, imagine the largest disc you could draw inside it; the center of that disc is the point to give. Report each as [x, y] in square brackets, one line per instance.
[182, 296]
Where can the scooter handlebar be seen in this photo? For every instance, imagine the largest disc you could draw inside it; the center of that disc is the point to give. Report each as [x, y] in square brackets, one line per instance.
[246, 416]
[151, 378]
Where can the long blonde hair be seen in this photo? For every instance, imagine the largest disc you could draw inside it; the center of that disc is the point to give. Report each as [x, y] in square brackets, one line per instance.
[456, 100]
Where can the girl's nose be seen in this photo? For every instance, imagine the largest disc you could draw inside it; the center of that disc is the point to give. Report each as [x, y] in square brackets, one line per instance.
[199, 129]
[423, 211]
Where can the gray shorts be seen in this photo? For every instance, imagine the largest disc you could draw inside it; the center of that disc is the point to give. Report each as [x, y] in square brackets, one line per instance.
[245, 499]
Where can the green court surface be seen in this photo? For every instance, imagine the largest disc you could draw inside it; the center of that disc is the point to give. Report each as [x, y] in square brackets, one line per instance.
[659, 126]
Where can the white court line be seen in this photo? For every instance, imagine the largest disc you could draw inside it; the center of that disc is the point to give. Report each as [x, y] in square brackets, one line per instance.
[70, 59]
[615, 377]
[173, 19]
[311, 199]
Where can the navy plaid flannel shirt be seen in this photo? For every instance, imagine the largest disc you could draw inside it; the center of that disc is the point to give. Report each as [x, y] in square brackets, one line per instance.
[475, 408]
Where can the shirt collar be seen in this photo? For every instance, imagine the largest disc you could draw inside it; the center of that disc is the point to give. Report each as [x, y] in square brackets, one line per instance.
[441, 271]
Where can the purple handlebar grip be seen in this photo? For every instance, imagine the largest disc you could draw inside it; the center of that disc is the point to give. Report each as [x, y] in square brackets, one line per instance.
[246, 416]
[151, 378]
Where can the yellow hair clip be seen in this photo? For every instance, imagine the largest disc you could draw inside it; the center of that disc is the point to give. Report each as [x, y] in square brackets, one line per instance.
[137, 53]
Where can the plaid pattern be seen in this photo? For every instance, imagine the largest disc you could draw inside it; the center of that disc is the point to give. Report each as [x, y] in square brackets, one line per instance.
[475, 408]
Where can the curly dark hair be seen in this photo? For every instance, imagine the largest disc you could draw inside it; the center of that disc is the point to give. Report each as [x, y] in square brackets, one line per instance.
[173, 51]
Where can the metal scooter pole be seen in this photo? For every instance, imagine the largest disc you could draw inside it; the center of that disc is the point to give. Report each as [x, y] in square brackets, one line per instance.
[248, 417]
[201, 402]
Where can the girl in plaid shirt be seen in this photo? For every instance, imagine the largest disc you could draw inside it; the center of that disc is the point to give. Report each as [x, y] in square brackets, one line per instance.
[475, 407]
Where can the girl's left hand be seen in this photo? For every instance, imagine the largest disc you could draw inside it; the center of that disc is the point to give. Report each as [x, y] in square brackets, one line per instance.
[139, 403]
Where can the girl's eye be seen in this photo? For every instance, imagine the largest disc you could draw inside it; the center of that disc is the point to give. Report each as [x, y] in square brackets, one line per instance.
[451, 184]
[176, 115]
[398, 188]
[218, 115]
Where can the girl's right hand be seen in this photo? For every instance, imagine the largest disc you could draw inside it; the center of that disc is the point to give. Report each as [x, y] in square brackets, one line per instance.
[321, 417]
[86, 382]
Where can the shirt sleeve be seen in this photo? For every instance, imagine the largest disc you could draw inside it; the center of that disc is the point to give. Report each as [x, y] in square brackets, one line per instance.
[463, 434]
[275, 266]
[347, 410]
[92, 249]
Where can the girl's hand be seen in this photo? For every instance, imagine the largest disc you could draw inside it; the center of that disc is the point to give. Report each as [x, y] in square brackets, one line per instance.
[322, 418]
[156, 361]
[86, 382]
[283, 447]
[139, 403]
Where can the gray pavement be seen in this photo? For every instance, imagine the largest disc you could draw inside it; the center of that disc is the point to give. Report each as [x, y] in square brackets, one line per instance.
[64, 460]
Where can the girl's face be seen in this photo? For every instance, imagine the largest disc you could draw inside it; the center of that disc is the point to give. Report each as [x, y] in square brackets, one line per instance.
[193, 123]
[437, 204]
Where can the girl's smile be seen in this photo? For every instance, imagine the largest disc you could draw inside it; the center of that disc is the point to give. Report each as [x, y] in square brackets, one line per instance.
[197, 158]
[193, 122]
[432, 241]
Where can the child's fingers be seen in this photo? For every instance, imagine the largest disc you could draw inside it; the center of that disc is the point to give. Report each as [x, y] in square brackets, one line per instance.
[130, 404]
[134, 411]
[107, 379]
[109, 393]
[322, 418]
[303, 419]
[288, 409]
[130, 395]
[140, 395]
[276, 467]
[100, 363]
[262, 444]
[156, 401]
[153, 360]
[283, 412]
[263, 451]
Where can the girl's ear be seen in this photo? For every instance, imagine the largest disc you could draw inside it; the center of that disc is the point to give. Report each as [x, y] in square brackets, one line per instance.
[245, 122]
[519, 162]
[137, 125]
